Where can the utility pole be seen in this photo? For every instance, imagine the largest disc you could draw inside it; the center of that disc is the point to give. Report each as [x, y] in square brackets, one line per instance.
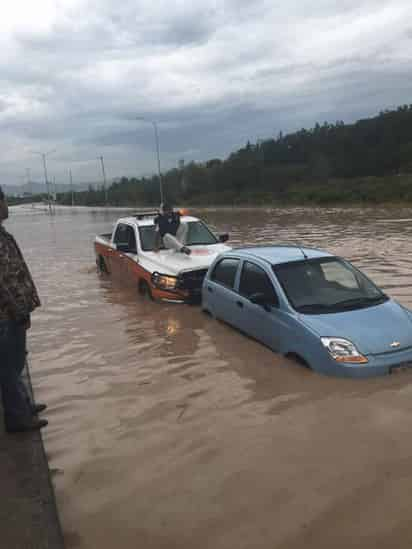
[47, 183]
[29, 186]
[104, 180]
[46, 179]
[54, 189]
[261, 161]
[181, 166]
[71, 186]
[156, 135]
[29, 189]
[158, 160]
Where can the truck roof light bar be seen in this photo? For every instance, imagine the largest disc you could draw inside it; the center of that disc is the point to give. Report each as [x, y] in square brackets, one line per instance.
[142, 215]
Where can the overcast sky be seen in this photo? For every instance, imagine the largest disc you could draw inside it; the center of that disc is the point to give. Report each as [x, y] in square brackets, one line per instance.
[75, 74]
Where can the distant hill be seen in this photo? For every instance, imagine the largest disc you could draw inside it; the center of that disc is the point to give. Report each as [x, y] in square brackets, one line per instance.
[40, 188]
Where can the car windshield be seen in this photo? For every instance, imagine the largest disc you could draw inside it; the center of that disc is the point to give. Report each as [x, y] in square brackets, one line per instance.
[198, 234]
[326, 285]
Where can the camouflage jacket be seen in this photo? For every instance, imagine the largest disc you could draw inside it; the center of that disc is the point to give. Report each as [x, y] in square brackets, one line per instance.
[18, 294]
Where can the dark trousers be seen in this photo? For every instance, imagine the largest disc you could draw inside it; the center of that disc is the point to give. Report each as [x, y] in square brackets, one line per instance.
[12, 361]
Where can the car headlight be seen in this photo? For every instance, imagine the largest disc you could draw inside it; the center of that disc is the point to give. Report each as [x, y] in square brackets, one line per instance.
[164, 282]
[343, 350]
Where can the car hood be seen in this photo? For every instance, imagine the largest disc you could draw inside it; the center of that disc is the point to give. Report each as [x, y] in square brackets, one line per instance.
[174, 263]
[372, 329]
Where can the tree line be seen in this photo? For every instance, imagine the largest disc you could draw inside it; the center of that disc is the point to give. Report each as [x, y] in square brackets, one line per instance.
[369, 161]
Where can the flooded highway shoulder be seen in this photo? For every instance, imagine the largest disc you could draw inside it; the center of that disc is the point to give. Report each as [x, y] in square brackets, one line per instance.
[169, 429]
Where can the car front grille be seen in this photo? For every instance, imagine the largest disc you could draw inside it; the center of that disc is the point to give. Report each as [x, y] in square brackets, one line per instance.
[192, 280]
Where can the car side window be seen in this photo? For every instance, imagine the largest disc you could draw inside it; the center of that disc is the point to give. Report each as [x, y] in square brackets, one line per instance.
[255, 280]
[131, 239]
[225, 272]
[120, 236]
[125, 235]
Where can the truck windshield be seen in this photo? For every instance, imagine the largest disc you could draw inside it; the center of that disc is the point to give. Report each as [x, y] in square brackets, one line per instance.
[327, 285]
[198, 234]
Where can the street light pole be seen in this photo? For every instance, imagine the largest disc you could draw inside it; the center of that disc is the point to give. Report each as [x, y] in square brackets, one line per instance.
[158, 160]
[28, 182]
[43, 155]
[30, 186]
[47, 182]
[71, 186]
[104, 180]
[54, 189]
[156, 135]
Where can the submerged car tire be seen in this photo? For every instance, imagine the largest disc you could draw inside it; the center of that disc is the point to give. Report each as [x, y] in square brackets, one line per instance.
[208, 313]
[145, 290]
[101, 265]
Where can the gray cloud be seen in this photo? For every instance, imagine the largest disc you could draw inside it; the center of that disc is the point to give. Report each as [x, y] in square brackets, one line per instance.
[213, 74]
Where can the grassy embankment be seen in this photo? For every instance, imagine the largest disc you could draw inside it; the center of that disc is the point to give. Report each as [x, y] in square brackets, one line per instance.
[390, 190]
[367, 191]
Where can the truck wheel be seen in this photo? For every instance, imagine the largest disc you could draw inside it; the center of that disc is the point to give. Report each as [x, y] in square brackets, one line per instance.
[101, 265]
[145, 290]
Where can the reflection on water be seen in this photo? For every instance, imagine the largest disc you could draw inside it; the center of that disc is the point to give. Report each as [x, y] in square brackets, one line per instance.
[171, 430]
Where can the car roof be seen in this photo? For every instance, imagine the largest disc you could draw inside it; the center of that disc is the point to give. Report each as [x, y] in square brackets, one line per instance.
[277, 254]
[147, 221]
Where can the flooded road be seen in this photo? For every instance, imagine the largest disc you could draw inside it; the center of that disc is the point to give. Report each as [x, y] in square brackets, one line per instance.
[171, 430]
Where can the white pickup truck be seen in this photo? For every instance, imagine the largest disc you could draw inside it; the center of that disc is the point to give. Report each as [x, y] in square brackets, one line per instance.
[165, 274]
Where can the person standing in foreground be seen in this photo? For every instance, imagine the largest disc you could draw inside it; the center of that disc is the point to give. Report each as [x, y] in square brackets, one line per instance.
[170, 229]
[18, 299]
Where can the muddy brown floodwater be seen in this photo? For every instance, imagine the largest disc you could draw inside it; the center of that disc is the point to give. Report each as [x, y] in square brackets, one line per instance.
[171, 430]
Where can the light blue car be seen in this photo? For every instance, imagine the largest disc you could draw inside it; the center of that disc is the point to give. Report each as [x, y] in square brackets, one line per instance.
[313, 306]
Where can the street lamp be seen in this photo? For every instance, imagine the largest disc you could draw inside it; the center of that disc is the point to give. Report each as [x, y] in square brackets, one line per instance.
[104, 179]
[43, 155]
[71, 186]
[141, 118]
[28, 181]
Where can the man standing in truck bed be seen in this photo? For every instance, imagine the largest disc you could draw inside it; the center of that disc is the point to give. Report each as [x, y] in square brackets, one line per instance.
[171, 230]
[18, 299]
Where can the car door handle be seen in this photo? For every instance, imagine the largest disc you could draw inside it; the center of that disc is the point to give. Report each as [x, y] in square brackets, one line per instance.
[209, 289]
[239, 304]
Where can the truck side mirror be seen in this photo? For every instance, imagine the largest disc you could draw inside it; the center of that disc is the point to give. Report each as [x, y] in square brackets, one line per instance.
[223, 237]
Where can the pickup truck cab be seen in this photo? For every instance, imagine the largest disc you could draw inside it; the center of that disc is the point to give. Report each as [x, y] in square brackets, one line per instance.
[128, 252]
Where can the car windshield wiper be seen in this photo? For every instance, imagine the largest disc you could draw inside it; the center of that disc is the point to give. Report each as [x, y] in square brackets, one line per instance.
[360, 301]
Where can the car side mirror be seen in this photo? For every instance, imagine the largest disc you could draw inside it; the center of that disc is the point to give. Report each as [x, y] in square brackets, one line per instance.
[123, 247]
[223, 237]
